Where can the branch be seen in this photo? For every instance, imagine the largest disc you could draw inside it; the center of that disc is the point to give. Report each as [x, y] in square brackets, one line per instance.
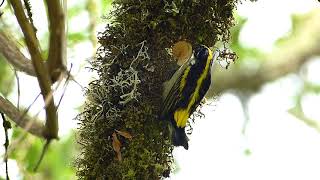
[299, 114]
[14, 56]
[32, 126]
[253, 79]
[6, 125]
[37, 61]
[56, 58]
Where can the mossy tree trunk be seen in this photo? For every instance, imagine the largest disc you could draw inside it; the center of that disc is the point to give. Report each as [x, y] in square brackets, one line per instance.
[132, 63]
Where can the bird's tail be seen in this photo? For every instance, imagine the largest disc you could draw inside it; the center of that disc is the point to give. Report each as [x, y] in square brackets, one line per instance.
[179, 137]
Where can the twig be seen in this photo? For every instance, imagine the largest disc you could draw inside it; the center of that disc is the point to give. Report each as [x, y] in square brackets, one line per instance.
[43, 152]
[6, 125]
[32, 126]
[18, 87]
[13, 55]
[28, 125]
[298, 113]
[65, 87]
[56, 58]
[51, 126]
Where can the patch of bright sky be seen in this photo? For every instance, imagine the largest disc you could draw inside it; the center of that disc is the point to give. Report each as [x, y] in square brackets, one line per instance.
[312, 71]
[79, 23]
[216, 146]
[268, 20]
[39, 21]
[284, 90]
[282, 147]
[310, 102]
[12, 167]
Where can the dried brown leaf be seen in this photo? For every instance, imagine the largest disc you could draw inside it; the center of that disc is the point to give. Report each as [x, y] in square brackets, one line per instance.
[124, 134]
[116, 144]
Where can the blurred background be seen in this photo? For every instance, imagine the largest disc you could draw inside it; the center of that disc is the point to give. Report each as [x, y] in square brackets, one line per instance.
[264, 122]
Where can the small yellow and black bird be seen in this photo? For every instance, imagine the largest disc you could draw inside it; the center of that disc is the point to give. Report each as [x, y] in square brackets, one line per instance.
[184, 91]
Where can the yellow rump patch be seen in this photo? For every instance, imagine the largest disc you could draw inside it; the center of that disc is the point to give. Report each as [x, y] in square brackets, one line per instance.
[181, 116]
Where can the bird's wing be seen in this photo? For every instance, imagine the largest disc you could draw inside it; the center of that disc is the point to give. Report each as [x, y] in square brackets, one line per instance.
[171, 92]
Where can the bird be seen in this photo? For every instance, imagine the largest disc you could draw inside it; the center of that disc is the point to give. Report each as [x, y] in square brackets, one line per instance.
[184, 91]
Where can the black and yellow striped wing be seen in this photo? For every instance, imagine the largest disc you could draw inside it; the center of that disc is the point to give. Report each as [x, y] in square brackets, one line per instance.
[172, 90]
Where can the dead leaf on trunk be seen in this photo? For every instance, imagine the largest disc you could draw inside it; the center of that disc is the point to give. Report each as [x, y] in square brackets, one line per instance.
[116, 144]
[124, 134]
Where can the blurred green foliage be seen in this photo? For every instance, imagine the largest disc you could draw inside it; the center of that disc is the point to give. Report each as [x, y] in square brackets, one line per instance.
[57, 163]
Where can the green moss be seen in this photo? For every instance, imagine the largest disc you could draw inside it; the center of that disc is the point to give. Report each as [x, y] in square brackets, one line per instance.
[132, 64]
